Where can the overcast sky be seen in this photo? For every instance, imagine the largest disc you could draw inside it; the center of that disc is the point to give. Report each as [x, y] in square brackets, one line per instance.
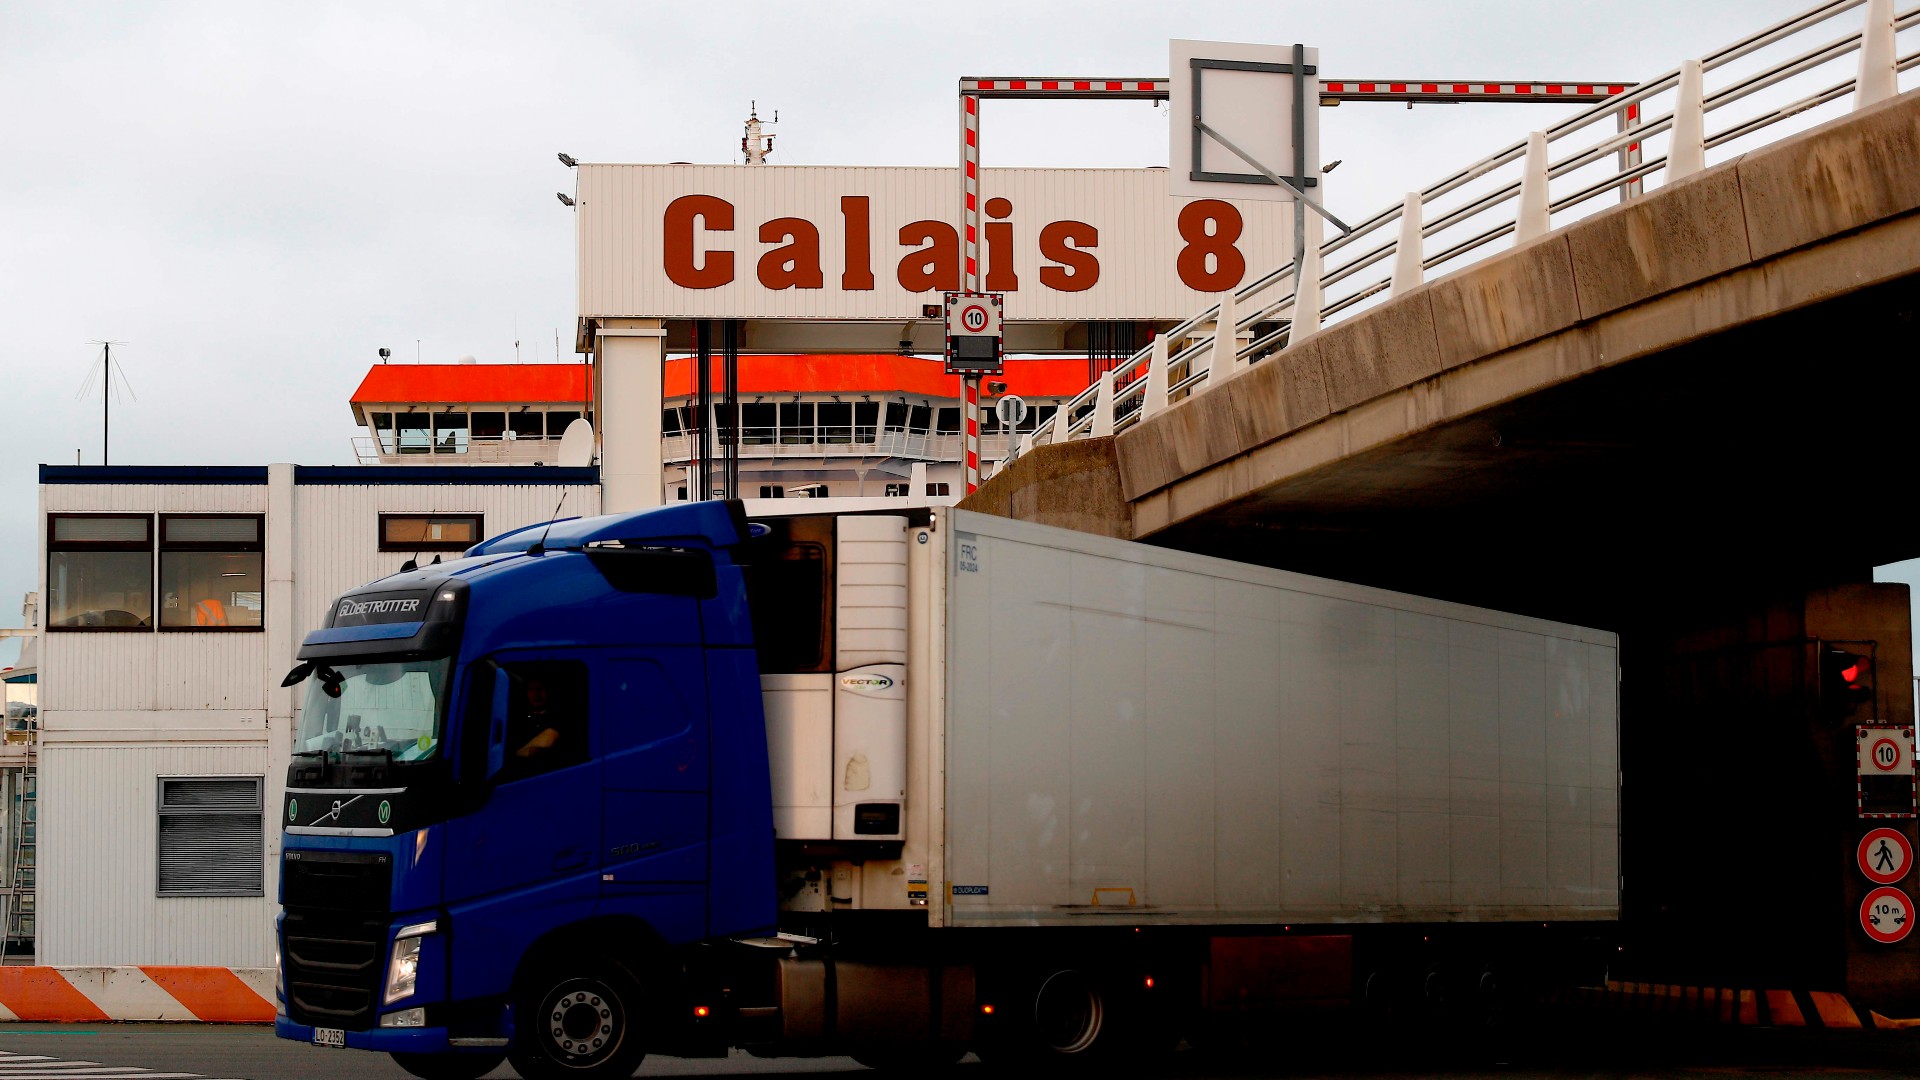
[254, 197]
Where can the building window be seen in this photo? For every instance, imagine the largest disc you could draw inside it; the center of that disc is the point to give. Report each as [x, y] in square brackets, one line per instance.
[431, 532]
[937, 489]
[99, 572]
[212, 572]
[212, 842]
[681, 493]
[897, 491]
[773, 491]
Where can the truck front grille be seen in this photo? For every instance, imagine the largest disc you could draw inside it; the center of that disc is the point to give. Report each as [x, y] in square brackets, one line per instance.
[333, 967]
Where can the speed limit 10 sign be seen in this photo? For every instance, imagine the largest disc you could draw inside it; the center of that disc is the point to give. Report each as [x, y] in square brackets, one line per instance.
[1887, 782]
[975, 343]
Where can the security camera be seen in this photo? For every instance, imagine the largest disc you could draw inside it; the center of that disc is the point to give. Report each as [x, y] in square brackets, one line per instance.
[386, 353]
[996, 388]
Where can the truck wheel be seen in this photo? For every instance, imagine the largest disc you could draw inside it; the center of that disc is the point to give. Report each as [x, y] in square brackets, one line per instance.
[582, 1026]
[449, 1066]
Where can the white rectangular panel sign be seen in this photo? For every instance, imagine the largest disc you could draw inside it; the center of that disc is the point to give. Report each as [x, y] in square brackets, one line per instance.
[805, 242]
[1246, 92]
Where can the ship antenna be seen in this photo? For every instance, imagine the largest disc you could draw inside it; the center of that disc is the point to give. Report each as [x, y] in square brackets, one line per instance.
[540, 546]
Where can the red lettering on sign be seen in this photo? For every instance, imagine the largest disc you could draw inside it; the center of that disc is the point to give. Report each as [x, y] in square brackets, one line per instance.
[1065, 242]
[934, 267]
[716, 215]
[858, 276]
[796, 263]
[1000, 274]
[1229, 266]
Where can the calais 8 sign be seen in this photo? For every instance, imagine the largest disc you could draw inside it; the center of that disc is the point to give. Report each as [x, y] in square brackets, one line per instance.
[738, 241]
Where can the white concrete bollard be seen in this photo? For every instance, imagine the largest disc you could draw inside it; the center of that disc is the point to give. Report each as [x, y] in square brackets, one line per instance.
[1533, 219]
[1879, 77]
[1156, 395]
[1687, 153]
[1103, 408]
[1408, 270]
[1306, 286]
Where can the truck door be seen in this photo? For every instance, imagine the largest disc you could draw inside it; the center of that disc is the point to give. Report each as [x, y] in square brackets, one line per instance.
[542, 818]
[656, 777]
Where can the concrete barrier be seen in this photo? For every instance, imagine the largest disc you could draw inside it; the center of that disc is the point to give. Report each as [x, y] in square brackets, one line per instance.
[94, 994]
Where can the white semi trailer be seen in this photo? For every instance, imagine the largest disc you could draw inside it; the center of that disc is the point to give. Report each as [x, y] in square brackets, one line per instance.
[902, 784]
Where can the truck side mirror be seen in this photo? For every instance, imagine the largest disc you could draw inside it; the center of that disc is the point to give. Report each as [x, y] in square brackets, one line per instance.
[497, 726]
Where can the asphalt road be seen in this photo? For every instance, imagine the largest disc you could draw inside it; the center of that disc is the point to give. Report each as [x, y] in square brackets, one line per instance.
[180, 1052]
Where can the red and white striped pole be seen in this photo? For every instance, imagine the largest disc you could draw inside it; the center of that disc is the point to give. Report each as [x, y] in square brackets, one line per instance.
[970, 240]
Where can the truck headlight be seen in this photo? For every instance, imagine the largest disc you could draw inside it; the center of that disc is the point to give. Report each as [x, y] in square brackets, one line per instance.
[403, 971]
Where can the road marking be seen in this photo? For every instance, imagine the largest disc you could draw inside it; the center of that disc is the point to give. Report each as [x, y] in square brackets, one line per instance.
[40, 1067]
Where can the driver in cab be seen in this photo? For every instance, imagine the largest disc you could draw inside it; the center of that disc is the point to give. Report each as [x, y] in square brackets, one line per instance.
[535, 733]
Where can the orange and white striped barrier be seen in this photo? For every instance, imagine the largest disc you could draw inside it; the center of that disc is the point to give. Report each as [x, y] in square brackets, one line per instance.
[94, 994]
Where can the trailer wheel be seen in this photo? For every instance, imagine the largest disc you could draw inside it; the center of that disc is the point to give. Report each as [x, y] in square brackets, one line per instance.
[449, 1066]
[1069, 1013]
[582, 1025]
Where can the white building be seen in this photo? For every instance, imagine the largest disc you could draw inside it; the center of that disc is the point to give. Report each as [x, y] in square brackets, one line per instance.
[174, 601]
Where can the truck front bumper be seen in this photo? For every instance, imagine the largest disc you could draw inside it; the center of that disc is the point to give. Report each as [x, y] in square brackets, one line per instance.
[414, 1040]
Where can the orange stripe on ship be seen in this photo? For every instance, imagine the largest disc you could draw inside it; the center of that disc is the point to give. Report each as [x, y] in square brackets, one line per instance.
[39, 993]
[212, 994]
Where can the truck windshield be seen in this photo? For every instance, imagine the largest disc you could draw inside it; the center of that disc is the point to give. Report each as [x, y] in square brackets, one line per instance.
[396, 707]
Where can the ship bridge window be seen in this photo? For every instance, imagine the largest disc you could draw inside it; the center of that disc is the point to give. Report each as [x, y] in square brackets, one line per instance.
[211, 572]
[866, 417]
[489, 426]
[558, 419]
[414, 435]
[896, 416]
[758, 424]
[382, 423]
[526, 425]
[796, 422]
[919, 417]
[450, 433]
[836, 422]
[670, 422]
[99, 572]
[949, 421]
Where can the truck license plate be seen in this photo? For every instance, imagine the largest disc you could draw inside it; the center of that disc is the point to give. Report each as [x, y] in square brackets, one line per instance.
[334, 1037]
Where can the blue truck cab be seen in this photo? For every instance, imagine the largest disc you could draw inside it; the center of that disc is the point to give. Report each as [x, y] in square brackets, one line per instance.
[523, 783]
